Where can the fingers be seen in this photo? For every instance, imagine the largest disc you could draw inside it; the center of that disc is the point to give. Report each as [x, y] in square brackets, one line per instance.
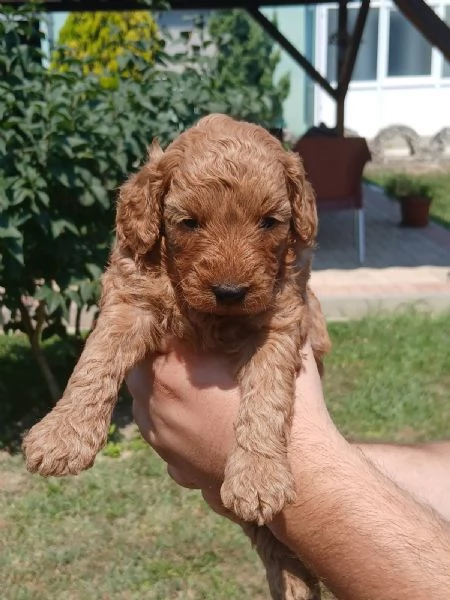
[212, 498]
[178, 476]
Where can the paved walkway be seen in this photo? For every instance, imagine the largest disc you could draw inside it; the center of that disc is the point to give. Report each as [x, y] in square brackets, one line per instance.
[403, 266]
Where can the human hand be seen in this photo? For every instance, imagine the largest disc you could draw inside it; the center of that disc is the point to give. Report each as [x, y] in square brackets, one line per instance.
[185, 404]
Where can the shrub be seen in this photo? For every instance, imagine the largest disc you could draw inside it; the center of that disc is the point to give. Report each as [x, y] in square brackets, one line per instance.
[247, 58]
[404, 186]
[66, 144]
[101, 38]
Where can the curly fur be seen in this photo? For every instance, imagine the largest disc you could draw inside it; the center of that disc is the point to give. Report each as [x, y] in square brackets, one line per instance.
[223, 205]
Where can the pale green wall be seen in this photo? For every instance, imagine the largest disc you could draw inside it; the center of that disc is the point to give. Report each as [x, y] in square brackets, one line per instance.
[297, 25]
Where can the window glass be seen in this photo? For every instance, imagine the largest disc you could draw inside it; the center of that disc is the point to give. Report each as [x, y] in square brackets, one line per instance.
[366, 62]
[409, 51]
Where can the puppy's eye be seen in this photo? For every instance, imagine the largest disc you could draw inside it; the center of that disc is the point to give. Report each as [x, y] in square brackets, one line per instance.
[190, 223]
[268, 222]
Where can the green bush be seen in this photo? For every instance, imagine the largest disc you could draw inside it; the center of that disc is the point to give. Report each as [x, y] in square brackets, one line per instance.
[247, 58]
[403, 185]
[66, 144]
[101, 38]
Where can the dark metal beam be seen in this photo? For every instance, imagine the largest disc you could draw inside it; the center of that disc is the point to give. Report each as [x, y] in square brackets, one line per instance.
[342, 42]
[428, 23]
[354, 42]
[292, 51]
[119, 5]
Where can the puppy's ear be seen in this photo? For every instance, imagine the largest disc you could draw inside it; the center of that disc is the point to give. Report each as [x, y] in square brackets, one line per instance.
[139, 209]
[303, 200]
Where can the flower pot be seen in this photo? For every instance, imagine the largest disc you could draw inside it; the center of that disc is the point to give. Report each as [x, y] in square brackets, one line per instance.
[277, 132]
[414, 210]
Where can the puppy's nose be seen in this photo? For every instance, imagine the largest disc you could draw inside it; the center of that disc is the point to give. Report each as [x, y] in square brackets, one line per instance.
[229, 293]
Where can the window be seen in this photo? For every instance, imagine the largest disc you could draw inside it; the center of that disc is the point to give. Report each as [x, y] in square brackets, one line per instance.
[409, 52]
[446, 69]
[366, 62]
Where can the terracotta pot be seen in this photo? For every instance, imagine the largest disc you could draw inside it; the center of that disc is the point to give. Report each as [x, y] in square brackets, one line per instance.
[415, 211]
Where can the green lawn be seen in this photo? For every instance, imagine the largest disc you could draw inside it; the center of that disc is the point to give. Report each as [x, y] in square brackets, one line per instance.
[124, 531]
[440, 184]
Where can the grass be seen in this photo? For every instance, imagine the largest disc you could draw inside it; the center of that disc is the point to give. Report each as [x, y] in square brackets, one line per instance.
[440, 185]
[23, 395]
[389, 378]
[123, 531]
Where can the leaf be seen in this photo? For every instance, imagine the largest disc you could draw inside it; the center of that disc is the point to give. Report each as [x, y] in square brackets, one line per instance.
[87, 198]
[60, 225]
[86, 291]
[43, 292]
[63, 178]
[9, 231]
[100, 194]
[54, 301]
[43, 197]
[14, 247]
[21, 194]
[74, 296]
[94, 271]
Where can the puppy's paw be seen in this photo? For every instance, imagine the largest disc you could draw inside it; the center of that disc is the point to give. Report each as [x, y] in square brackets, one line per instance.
[59, 445]
[256, 488]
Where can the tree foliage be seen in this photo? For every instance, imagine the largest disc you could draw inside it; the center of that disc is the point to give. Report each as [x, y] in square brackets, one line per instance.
[247, 58]
[101, 38]
[66, 144]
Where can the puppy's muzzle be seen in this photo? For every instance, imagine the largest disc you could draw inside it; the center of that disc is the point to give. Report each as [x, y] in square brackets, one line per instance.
[229, 294]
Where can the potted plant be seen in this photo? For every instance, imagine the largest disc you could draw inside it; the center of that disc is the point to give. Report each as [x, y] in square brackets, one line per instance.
[414, 196]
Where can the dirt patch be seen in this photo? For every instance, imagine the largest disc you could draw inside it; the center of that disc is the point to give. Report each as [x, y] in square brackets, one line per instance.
[12, 475]
[11, 482]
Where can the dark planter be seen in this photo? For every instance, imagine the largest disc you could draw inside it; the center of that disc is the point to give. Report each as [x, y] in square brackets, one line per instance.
[414, 210]
[277, 132]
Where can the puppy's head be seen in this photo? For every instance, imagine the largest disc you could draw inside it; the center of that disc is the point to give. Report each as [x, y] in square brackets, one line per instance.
[231, 202]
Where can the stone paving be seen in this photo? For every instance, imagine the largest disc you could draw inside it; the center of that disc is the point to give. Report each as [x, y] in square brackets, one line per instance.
[403, 266]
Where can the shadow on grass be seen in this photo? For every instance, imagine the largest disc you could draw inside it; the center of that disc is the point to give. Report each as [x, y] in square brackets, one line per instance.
[24, 398]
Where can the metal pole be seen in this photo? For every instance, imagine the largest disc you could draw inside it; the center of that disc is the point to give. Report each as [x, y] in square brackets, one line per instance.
[341, 54]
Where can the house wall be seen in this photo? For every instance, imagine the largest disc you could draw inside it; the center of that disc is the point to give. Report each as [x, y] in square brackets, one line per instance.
[297, 25]
[399, 78]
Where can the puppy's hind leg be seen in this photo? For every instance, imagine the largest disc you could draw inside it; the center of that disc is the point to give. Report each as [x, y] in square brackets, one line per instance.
[287, 577]
[68, 439]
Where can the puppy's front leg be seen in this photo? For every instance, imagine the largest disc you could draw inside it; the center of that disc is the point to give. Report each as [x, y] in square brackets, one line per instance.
[258, 481]
[68, 439]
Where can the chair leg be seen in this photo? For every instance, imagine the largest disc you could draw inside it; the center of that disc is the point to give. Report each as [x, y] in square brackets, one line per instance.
[360, 234]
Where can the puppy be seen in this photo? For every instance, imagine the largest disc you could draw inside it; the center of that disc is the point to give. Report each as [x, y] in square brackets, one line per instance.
[212, 245]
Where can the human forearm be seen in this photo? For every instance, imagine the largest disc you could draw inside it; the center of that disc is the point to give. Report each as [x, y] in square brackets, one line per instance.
[361, 533]
[422, 469]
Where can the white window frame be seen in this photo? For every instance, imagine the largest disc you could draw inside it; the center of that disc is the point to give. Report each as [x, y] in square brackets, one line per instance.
[435, 78]
[445, 79]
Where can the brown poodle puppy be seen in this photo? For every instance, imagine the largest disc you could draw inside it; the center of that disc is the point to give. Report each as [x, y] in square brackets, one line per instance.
[213, 240]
